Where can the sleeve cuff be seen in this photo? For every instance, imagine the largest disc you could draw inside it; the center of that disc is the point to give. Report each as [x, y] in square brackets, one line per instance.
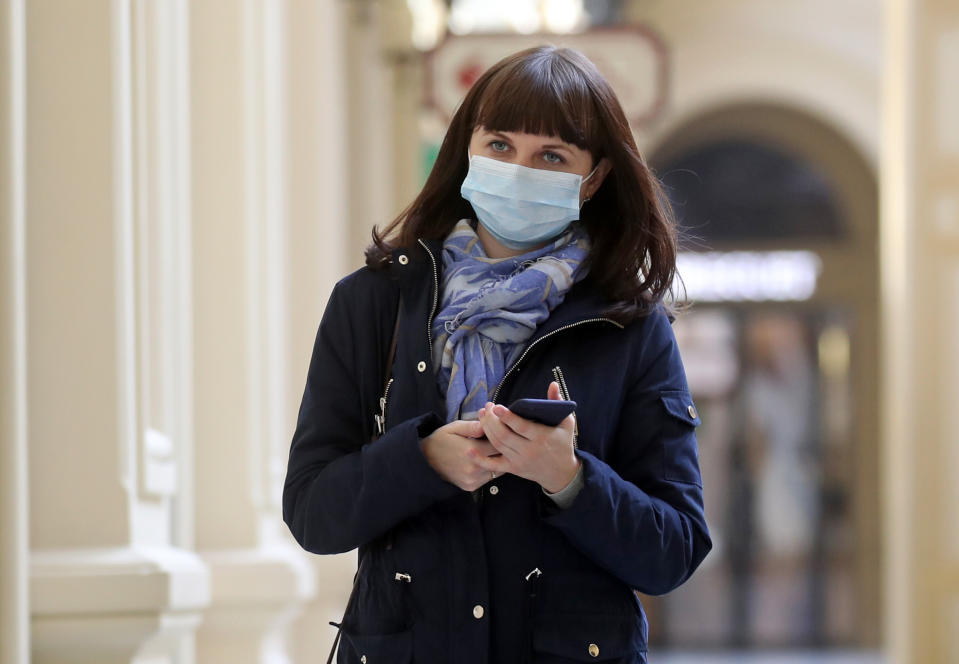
[565, 496]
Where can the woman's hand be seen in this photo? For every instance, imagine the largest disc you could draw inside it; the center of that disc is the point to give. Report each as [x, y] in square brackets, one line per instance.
[535, 451]
[452, 451]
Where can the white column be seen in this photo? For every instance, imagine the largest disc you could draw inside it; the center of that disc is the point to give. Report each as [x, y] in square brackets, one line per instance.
[321, 252]
[405, 70]
[14, 506]
[370, 125]
[260, 579]
[108, 314]
[920, 300]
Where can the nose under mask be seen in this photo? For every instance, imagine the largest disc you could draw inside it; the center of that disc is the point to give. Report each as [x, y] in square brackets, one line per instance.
[520, 206]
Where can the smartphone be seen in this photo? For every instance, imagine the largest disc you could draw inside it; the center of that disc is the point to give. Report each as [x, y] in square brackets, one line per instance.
[544, 411]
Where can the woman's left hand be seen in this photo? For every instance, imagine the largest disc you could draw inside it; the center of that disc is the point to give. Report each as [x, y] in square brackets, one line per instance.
[531, 450]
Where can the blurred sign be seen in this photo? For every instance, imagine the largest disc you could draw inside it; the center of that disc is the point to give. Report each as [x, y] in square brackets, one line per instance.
[738, 276]
[632, 59]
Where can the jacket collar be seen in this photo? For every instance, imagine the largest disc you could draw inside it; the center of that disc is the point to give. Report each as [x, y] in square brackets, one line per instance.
[414, 269]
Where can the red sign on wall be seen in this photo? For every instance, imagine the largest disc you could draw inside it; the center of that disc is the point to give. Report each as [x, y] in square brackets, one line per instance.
[633, 59]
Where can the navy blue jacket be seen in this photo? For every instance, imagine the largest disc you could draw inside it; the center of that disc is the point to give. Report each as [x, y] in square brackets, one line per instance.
[501, 575]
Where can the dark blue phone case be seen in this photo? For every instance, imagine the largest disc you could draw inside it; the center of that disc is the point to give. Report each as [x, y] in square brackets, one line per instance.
[544, 411]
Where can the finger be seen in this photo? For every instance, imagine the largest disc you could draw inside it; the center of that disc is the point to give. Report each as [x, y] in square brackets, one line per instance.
[484, 448]
[519, 425]
[499, 464]
[467, 428]
[502, 437]
[552, 392]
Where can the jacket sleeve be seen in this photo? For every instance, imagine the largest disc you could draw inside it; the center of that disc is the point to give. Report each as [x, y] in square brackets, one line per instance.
[640, 511]
[341, 491]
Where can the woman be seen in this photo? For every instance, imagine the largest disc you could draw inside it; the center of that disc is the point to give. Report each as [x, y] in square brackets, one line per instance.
[532, 264]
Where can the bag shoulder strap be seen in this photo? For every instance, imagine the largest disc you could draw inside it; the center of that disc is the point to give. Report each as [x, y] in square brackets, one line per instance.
[392, 353]
[386, 372]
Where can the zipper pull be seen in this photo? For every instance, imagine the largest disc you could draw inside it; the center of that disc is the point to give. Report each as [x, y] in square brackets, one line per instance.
[381, 418]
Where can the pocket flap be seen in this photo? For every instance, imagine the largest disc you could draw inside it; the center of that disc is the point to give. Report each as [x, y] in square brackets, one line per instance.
[587, 637]
[373, 648]
[679, 404]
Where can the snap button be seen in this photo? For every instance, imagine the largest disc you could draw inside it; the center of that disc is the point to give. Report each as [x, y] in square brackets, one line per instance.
[403, 259]
[691, 409]
[494, 489]
[421, 366]
[478, 611]
[593, 650]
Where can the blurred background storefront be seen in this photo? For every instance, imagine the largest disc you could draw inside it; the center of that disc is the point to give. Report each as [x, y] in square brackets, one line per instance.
[184, 182]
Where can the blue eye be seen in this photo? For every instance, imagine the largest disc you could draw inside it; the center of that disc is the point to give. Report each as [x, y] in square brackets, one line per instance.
[552, 158]
[499, 146]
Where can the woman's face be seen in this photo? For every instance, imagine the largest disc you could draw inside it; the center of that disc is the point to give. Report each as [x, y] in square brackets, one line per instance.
[549, 153]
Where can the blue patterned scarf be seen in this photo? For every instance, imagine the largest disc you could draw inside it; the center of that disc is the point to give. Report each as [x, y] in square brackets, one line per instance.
[491, 307]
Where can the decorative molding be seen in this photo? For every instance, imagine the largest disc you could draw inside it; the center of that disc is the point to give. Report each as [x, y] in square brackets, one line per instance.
[256, 578]
[133, 637]
[160, 81]
[158, 466]
[14, 492]
[84, 582]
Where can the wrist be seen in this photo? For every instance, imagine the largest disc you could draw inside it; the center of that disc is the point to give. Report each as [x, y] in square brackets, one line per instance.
[564, 479]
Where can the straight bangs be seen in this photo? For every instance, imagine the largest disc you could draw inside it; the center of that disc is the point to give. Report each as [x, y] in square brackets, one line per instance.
[544, 95]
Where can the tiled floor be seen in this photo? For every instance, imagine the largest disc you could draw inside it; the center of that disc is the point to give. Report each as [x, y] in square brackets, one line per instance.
[830, 657]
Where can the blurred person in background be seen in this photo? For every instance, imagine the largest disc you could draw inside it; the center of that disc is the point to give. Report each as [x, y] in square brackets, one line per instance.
[533, 263]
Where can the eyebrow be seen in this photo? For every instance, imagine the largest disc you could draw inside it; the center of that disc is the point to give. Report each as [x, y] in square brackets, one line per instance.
[550, 146]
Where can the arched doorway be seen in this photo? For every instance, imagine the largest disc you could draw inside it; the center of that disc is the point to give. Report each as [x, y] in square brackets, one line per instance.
[779, 218]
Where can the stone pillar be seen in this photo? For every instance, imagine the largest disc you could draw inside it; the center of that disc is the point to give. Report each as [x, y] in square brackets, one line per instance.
[405, 69]
[241, 236]
[370, 125]
[108, 316]
[920, 300]
[14, 506]
[320, 253]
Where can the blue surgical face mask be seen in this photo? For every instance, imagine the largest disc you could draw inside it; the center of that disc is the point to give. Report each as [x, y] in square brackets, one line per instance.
[522, 207]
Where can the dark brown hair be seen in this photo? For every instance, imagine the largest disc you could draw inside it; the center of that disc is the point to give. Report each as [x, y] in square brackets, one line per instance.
[557, 91]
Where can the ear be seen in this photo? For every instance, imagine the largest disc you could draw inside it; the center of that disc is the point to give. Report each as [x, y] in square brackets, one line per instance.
[595, 182]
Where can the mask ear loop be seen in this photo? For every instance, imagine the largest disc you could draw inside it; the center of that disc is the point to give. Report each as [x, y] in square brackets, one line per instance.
[586, 198]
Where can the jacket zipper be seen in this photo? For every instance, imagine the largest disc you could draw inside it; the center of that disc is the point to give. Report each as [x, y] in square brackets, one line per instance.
[564, 392]
[436, 294]
[532, 590]
[559, 378]
[546, 336]
[381, 418]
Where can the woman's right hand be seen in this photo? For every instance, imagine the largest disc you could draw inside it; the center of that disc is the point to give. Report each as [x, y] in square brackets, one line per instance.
[450, 451]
